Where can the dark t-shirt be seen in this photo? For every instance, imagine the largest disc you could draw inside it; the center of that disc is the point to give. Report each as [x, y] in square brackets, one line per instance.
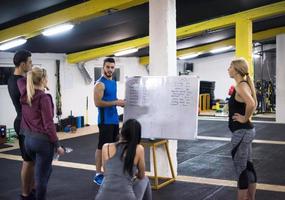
[15, 94]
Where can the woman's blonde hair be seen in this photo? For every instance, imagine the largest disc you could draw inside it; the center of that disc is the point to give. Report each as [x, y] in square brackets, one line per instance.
[241, 66]
[34, 77]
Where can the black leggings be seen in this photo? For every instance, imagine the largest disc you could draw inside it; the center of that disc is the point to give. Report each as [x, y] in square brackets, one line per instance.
[21, 138]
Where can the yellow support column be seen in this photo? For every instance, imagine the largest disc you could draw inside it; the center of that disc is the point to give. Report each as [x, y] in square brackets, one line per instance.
[244, 42]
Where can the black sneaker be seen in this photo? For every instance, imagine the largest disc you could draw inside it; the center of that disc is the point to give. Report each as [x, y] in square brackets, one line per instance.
[32, 196]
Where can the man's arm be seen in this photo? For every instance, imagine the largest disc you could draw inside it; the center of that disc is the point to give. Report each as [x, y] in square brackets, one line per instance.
[98, 95]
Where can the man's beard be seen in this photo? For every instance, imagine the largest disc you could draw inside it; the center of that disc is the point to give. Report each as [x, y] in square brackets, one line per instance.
[26, 70]
[107, 74]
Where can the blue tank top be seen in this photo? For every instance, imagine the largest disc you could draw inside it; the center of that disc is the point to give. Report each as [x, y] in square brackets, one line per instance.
[108, 115]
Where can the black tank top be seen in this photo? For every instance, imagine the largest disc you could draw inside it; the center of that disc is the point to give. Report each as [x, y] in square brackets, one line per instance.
[237, 107]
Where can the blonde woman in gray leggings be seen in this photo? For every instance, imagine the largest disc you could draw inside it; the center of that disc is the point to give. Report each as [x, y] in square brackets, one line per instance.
[241, 107]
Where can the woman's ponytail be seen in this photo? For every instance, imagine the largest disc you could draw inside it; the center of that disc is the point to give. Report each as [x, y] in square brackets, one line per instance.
[30, 87]
[252, 87]
[34, 78]
[242, 67]
[131, 133]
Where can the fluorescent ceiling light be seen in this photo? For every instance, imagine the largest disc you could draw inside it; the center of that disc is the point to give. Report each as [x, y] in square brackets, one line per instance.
[121, 53]
[257, 50]
[193, 55]
[12, 43]
[57, 29]
[257, 44]
[256, 55]
[222, 49]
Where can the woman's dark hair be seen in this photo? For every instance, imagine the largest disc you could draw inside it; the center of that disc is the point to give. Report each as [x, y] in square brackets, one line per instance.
[21, 56]
[131, 133]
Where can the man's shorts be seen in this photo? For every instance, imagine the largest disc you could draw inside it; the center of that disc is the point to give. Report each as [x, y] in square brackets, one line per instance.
[21, 138]
[108, 133]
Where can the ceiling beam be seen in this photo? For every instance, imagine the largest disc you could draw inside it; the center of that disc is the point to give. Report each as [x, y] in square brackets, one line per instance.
[186, 31]
[75, 14]
[262, 35]
[230, 20]
[267, 34]
[103, 51]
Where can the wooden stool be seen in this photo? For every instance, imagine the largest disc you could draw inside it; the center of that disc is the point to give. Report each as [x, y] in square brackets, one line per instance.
[167, 180]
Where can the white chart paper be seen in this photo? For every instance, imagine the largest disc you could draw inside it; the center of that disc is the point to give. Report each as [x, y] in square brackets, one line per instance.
[166, 106]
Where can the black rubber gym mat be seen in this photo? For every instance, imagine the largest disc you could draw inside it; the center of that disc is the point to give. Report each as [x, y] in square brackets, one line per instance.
[3, 146]
[74, 184]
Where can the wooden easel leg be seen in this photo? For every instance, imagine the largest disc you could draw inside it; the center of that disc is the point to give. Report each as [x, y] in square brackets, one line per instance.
[155, 167]
[169, 159]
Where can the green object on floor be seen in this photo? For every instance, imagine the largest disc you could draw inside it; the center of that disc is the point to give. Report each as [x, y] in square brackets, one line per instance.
[219, 110]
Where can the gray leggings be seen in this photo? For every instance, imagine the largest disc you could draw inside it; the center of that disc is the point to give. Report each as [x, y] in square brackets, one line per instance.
[142, 189]
[241, 155]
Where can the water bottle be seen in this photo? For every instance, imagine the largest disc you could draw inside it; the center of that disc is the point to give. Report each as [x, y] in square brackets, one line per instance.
[55, 156]
[66, 150]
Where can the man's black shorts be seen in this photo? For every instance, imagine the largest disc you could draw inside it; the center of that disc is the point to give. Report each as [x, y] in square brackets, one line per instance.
[108, 133]
[21, 139]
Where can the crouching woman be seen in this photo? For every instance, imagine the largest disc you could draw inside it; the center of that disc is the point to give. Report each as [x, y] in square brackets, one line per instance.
[124, 167]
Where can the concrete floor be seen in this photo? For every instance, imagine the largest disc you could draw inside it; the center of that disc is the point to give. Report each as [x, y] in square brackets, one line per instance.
[205, 169]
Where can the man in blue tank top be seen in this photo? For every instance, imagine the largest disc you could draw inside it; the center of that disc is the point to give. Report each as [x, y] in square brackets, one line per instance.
[105, 98]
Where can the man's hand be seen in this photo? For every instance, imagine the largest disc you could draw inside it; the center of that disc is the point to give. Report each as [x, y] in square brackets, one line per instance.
[239, 118]
[60, 151]
[120, 102]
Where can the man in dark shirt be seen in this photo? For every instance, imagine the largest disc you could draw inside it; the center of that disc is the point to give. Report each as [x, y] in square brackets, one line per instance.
[23, 63]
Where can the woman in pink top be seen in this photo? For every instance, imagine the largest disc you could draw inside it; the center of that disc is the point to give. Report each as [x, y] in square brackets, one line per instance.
[37, 125]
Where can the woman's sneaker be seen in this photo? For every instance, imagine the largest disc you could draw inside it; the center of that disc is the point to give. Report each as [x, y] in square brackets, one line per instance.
[98, 178]
[27, 197]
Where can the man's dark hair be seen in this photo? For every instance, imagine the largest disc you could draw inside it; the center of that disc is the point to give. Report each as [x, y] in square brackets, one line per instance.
[110, 60]
[21, 56]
